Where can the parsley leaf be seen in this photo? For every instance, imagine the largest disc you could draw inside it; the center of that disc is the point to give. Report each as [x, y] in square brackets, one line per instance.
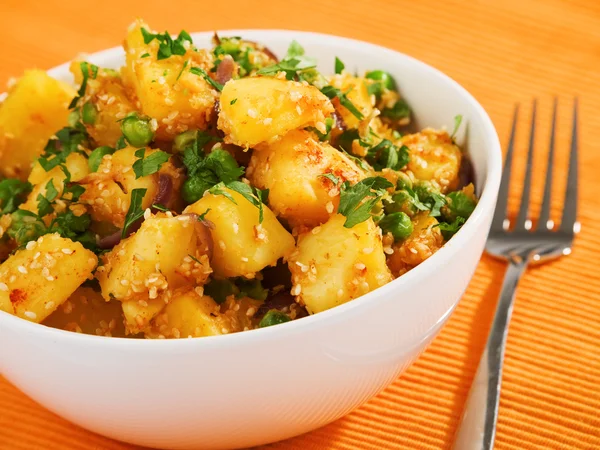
[45, 202]
[431, 198]
[160, 207]
[332, 93]
[460, 205]
[250, 193]
[331, 177]
[232, 102]
[148, 165]
[167, 46]
[323, 136]
[399, 111]
[294, 63]
[202, 216]
[13, 192]
[60, 146]
[85, 72]
[339, 65]
[182, 69]
[202, 73]
[388, 155]
[357, 201]
[135, 211]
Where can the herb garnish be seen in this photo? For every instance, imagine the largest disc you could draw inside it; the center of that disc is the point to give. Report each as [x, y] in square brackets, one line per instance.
[357, 201]
[145, 166]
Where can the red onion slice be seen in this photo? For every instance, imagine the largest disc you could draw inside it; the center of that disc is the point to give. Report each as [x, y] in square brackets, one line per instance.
[165, 190]
[225, 70]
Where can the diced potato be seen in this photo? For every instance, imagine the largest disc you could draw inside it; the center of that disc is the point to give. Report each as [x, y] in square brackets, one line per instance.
[261, 109]
[87, 312]
[35, 109]
[434, 157]
[76, 164]
[337, 264]
[293, 168]
[108, 191]
[425, 240]
[157, 259]
[139, 313]
[358, 95]
[42, 276]
[111, 100]
[191, 315]
[166, 89]
[242, 245]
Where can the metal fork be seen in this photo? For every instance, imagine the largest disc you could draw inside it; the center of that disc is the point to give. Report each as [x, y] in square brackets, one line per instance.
[520, 247]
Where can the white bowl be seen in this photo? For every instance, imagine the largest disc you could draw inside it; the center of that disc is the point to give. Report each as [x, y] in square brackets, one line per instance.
[265, 385]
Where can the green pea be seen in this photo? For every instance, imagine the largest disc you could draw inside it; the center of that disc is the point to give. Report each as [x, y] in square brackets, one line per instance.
[273, 317]
[184, 139]
[404, 181]
[97, 155]
[194, 187]
[89, 114]
[398, 223]
[401, 202]
[137, 130]
[73, 118]
[384, 77]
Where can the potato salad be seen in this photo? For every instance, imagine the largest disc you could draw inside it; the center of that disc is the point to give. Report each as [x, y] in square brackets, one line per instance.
[197, 192]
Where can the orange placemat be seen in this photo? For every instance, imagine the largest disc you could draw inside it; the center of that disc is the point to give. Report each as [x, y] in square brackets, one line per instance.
[503, 52]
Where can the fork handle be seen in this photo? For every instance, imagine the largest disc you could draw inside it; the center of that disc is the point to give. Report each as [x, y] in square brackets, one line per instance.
[477, 429]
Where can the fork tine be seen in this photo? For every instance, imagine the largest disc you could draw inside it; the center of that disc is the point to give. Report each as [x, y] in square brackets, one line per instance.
[544, 220]
[501, 204]
[569, 216]
[522, 222]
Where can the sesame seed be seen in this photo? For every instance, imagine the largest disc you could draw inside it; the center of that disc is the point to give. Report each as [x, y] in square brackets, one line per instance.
[224, 330]
[244, 259]
[298, 109]
[12, 279]
[329, 207]
[139, 320]
[37, 255]
[413, 250]
[222, 245]
[30, 315]
[367, 250]
[49, 305]
[67, 251]
[22, 269]
[340, 293]
[3, 287]
[252, 113]
[50, 278]
[147, 214]
[30, 245]
[296, 289]
[236, 228]
[124, 282]
[359, 266]
[199, 290]
[316, 230]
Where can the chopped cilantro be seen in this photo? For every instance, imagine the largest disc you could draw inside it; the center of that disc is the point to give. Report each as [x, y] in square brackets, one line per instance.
[332, 93]
[331, 177]
[167, 46]
[399, 111]
[294, 63]
[250, 193]
[339, 65]
[185, 64]
[457, 121]
[202, 216]
[85, 73]
[357, 201]
[202, 73]
[328, 126]
[45, 201]
[232, 102]
[460, 204]
[449, 229]
[13, 192]
[145, 166]
[135, 211]
[59, 147]
[387, 155]
[145, 55]
[160, 207]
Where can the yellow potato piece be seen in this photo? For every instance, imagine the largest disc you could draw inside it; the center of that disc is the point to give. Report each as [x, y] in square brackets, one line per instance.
[42, 276]
[434, 157]
[166, 89]
[243, 246]
[293, 168]
[35, 109]
[261, 109]
[357, 93]
[333, 264]
[87, 312]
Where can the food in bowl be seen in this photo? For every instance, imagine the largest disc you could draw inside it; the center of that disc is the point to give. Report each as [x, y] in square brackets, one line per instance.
[200, 192]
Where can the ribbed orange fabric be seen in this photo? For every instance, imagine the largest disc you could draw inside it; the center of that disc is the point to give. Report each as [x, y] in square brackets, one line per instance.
[503, 52]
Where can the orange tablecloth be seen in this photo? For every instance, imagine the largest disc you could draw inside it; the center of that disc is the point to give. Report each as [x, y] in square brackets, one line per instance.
[503, 52]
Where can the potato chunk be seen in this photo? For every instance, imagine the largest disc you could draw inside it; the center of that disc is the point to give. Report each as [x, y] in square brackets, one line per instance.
[260, 109]
[358, 95]
[157, 259]
[293, 168]
[77, 166]
[434, 157]
[166, 89]
[425, 240]
[42, 276]
[87, 312]
[242, 245]
[336, 264]
[35, 109]
[111, 101]
[108, 191]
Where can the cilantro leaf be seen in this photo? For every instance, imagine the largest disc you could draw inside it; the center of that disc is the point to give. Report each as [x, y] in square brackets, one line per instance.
[135, 211]
[388, 155]
[357, 201]
[13, 192]
[219, 290]
[460, 204]
[331, 177]
[399, 111]
[294, 63]
[60, 146]
[250, 193]
[339, 65]
[323, 136]
[217, 189]
[202, 73]
[449, 229]
[145, 166]
[182, 69]
[332, 93]
[160, 207]
[457, 121]
[430, 197]
[85, 72]
[202, 217]
[167, 45]
[45, 201]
